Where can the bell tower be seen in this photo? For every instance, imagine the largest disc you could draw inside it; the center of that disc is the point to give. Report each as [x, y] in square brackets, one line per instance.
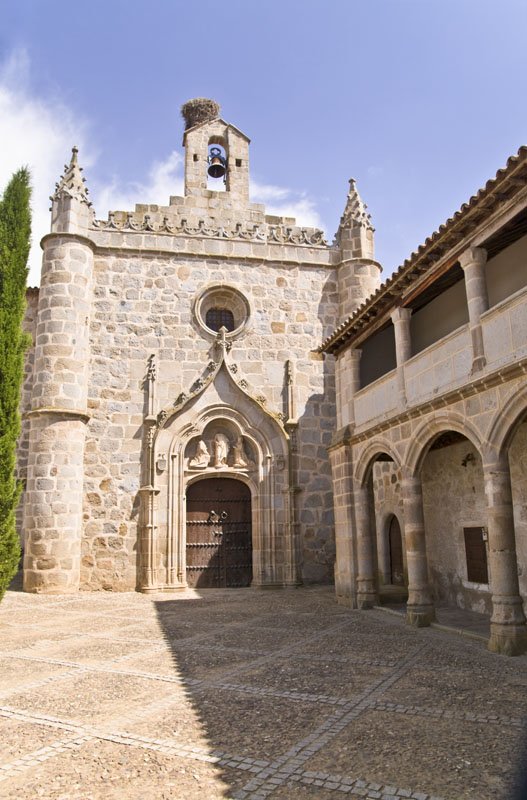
[214, 148]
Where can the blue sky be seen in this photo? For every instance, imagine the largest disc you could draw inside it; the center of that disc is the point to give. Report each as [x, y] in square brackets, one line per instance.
[420, 100]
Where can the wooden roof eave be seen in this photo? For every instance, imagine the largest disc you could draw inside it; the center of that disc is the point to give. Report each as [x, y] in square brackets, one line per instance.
[435, 258]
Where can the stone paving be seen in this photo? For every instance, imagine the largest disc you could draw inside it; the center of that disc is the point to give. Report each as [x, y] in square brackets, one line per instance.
[248, 695]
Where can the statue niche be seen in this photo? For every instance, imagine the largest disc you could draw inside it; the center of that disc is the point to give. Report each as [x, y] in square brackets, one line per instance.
[222, 448]
[219, 451]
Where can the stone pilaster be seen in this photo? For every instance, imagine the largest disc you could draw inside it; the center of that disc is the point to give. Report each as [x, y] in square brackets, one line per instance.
[148, 578]
[403, 347]
[508, 632]
[367, 590]
[420, 608]
[54, 491]
[347, 375]
[473, 263]
[345, 562]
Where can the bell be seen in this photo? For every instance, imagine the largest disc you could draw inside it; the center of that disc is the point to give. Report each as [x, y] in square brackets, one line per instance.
[217, 163]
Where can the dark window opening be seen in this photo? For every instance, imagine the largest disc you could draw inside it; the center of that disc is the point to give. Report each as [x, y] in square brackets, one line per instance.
[476, 553]
[217, 318]
[195, 156]
[238, 162]
[378, 356]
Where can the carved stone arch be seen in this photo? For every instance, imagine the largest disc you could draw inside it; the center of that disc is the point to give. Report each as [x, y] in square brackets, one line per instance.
[369, 454]
[423, 438]
[266, 473]
[504, 424]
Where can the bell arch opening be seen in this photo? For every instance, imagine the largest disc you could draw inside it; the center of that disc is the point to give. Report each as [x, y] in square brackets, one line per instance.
[217, 164]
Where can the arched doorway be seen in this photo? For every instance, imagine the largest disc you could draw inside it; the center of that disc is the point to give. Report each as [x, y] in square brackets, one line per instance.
[455, 518]
[218, 541]
[395, 549]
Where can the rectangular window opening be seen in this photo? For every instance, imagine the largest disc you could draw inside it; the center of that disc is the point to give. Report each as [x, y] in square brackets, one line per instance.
[238, 162]
[476, 553]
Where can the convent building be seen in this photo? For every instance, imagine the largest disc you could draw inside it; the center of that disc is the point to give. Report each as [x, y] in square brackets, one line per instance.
[218, 397]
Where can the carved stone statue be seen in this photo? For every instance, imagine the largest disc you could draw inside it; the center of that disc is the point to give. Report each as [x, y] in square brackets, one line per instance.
[239, 458]
[221, 450]
[202, 456]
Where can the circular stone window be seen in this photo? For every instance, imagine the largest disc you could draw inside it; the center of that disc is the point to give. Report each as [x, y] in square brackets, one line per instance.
[219, 307]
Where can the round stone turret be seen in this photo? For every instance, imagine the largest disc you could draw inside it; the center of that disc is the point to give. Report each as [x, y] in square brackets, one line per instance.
[199, 110]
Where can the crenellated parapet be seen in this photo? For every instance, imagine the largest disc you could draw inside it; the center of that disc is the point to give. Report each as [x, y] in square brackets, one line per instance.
[280, 230]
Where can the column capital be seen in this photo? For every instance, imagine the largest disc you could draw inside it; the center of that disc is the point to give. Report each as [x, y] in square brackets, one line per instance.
[401, 314]
[473, 255]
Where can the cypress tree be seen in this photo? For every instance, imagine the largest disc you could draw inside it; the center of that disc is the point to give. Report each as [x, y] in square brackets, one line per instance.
[15, 229]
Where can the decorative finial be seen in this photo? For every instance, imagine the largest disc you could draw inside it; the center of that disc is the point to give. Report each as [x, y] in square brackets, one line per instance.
[355, 210]
[72, 183]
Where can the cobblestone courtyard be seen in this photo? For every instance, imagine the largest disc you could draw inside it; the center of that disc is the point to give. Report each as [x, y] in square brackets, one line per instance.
[247, 694]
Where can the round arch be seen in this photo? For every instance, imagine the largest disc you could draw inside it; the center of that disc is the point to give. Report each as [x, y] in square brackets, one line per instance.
[393, 532]
[366, 459]
[235, 476]
[505, 422]
[423, 438]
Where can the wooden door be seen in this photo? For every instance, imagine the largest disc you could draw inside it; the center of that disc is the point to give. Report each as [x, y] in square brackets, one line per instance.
[219, 544]
[396, 553]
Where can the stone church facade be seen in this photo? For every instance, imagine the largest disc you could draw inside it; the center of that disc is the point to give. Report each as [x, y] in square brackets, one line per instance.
[177, 410]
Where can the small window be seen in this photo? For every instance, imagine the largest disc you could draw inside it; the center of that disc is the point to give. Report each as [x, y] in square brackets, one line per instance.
[195, 157]
[476, 552]
[238, 162]
[217, 318]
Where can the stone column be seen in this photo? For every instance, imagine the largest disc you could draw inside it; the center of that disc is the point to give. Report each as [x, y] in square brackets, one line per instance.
[367, 590]
[508, 632]
[473, 263]
[403, 346]
[345, 562]
[420, 608]
[58, 417]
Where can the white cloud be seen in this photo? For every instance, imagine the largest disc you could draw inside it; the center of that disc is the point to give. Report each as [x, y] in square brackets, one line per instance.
[285, 202]
[165, 178]
[39, 134]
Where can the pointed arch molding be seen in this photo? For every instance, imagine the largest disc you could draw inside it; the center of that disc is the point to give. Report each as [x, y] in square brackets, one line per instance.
[218, 400]
[222, 347]
[425, 434]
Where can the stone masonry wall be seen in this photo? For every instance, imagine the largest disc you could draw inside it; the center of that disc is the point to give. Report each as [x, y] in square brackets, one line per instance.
[453, 499]
[143, 304]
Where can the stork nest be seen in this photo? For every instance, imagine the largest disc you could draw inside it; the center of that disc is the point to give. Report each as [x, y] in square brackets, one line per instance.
[198, 110]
